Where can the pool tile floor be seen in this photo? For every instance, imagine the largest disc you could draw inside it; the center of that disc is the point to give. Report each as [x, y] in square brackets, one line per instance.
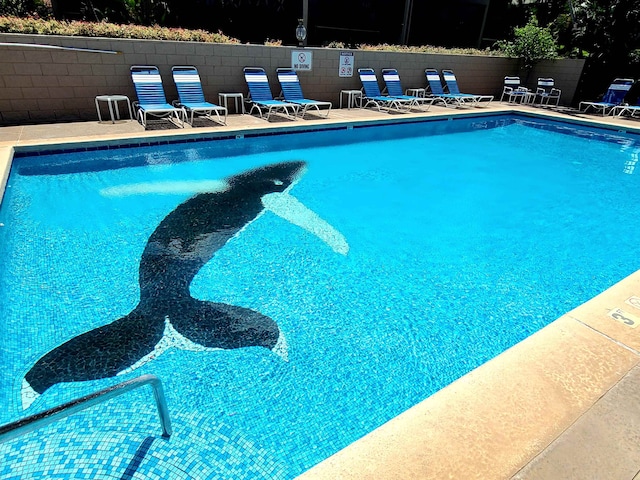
[562, 404]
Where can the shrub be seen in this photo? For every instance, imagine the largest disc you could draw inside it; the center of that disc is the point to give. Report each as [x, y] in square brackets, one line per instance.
[531, 44]
[425, 49]
[10, 24]
[335, 44]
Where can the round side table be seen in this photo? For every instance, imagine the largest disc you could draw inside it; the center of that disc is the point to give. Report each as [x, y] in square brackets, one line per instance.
[112, 102]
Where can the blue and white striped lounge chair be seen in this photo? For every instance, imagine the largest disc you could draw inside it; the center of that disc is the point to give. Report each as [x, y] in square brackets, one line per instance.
[436, 91]
[613, 97]
[452, 85]
[292, 92]
[261, 97]
[394, 89]
[373, 96]
[546, 91]
[191, 95]
[516, 92]
[151, 97]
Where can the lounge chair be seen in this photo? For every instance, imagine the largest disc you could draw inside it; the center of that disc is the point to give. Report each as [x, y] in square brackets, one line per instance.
[373, 96]
[624, 109]
[613, 97]
[292, 92]
[514, 91]
[546, 91]
[191, 95]
[437, 91]
[261, 97]
[151, 98]
[452, 86]
[394, 89]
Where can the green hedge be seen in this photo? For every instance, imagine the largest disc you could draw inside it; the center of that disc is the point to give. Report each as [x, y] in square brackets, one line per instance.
[10, 24]
[110, 30]
[430, 49]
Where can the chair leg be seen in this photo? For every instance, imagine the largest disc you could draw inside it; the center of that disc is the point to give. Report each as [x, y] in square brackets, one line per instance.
[257, 108]
[181, 115]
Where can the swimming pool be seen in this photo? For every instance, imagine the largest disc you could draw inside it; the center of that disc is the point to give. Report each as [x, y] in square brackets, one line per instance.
[461, 242]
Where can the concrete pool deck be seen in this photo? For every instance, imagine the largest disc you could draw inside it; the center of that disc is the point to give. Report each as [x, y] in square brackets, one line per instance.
[562, 404]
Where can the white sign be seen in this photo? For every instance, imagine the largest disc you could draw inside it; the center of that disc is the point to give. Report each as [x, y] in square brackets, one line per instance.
[301, 60]
[346, 64]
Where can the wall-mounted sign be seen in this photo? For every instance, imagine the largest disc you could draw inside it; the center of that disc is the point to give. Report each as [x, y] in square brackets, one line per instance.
[301, 60]
[346, 64]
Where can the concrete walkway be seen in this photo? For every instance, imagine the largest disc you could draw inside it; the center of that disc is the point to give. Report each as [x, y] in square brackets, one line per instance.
[562, 404]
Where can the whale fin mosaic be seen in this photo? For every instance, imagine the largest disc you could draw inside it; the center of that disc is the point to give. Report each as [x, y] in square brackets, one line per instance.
[167, 316]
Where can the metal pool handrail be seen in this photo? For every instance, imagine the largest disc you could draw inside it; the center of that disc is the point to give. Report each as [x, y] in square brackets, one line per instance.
[33, 422]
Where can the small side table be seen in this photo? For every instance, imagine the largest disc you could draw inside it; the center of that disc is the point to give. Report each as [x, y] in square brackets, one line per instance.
[224, 97]
[354, 98]
[417, 92]
[529, 98]
[525, 95]
[112, 102]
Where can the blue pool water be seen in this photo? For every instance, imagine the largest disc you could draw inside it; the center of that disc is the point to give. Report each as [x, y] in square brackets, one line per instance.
[462, 238]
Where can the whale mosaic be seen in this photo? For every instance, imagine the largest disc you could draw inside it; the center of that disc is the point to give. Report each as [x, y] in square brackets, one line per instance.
[167, 316]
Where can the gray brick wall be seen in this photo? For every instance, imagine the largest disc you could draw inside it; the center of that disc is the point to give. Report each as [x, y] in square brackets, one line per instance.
[38, 85]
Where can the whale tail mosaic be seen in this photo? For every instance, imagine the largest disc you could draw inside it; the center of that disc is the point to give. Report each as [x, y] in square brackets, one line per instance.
[166, 315]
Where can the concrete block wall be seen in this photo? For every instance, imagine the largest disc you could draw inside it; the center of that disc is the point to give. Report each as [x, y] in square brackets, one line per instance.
[47, 85]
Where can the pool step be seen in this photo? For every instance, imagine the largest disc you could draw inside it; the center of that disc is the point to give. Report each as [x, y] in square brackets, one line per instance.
[82, 447]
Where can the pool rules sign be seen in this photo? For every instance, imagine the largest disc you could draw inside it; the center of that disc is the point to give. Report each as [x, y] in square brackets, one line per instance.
[346, 64]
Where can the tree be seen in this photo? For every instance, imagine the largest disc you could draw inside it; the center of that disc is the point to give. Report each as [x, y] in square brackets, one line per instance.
[531, 44]
[608, 29]
[24, 7]
[609, 32]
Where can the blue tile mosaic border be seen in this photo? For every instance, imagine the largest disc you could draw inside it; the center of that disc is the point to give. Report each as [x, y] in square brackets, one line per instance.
[27, 152]
[497, 118]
